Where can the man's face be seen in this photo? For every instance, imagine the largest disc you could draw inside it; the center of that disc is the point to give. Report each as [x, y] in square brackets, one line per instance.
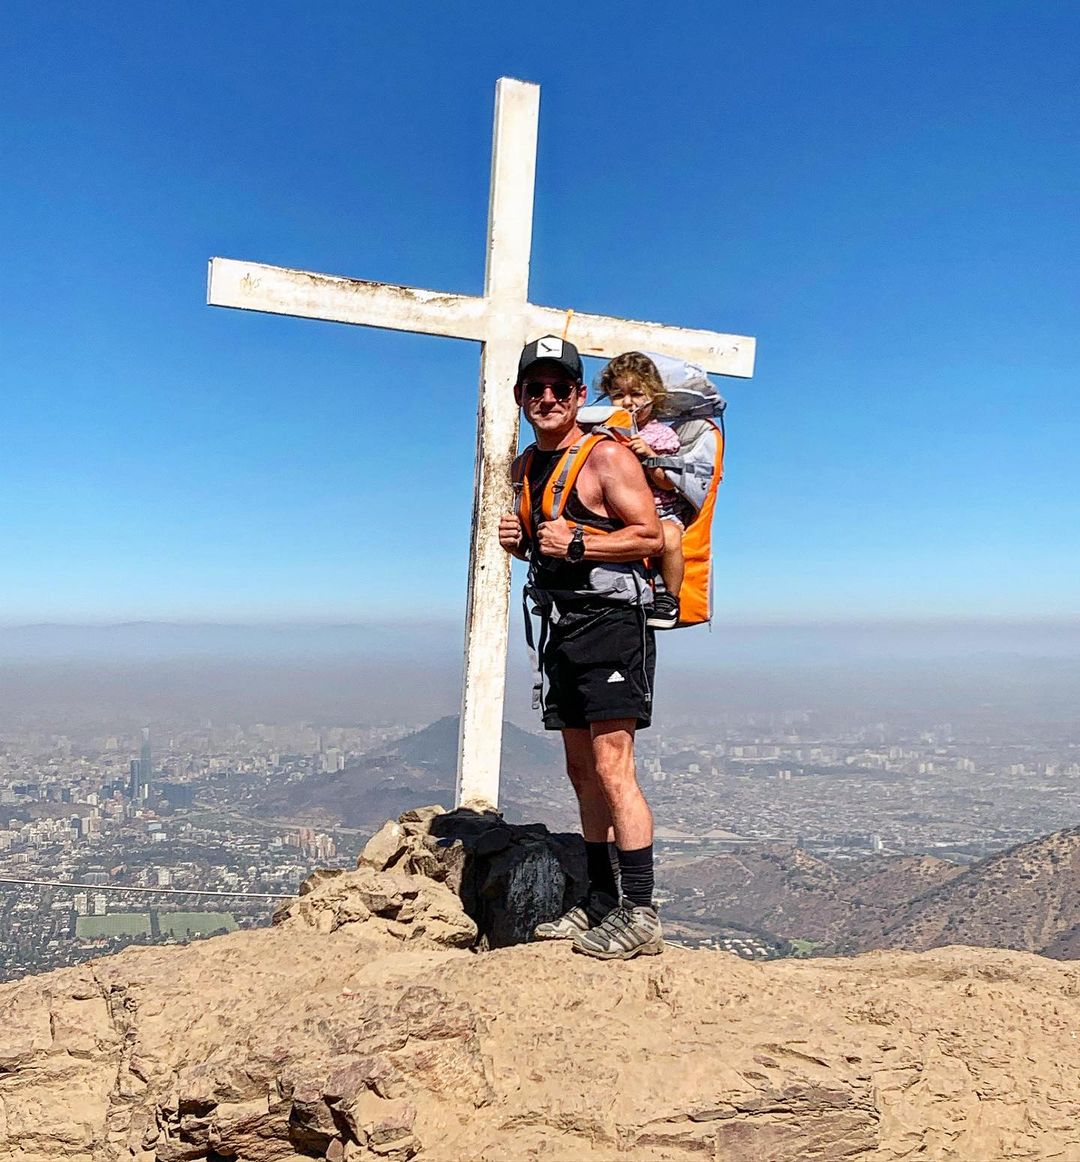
[550, 396]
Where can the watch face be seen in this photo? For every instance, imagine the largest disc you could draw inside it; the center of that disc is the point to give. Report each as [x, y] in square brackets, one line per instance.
[575, 551]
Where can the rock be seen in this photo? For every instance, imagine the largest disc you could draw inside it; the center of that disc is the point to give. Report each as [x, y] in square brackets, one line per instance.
[411, 907]
[311, 1121]
[285, 1043]
[385, 847]
[319, 876]
[422, 815]
[509, 877]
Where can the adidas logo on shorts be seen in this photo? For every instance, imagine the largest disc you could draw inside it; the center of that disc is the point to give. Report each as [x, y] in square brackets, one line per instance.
[616, 677]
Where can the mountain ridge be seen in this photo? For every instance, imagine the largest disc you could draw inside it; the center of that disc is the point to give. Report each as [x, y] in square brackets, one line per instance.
[421, 766]
[1026, 897]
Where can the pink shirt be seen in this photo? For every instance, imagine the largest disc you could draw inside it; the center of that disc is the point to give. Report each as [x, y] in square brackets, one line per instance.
[670, 504]
[660, 438]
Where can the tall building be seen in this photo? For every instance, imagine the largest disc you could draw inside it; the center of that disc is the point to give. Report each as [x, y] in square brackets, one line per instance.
[141, 769]
[146, 762]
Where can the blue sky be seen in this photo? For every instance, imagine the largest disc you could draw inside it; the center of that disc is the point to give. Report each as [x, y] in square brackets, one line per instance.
[885, 196]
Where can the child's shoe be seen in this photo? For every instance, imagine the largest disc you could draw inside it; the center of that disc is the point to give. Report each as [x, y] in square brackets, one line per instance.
[664, 613]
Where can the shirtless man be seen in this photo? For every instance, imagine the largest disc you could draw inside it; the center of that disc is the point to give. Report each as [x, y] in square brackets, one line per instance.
[585, 546]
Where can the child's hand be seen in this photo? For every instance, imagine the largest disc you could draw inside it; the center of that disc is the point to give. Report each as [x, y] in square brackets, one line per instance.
[640, 449]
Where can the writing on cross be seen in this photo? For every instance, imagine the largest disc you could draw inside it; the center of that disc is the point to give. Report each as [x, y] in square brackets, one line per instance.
[502, 320]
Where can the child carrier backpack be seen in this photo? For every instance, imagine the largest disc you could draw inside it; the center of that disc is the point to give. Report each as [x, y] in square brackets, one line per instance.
[695, 412]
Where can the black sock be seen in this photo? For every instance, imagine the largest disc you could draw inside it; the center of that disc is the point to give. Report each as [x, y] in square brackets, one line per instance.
[636, 873]
[601, 872]
[613, 859]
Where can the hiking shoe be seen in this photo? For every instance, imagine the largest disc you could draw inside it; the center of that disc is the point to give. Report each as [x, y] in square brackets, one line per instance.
[581, 917]
[630, 930]
[664, 613]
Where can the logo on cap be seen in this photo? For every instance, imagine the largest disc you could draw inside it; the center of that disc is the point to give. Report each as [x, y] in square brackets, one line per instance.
[549, 348]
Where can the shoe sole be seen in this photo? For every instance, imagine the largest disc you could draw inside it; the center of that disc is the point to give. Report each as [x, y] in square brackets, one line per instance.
[653, 948]
[538, 935]
[665, 623]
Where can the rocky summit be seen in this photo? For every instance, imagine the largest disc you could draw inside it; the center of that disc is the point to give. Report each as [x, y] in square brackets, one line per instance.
[378, 1019]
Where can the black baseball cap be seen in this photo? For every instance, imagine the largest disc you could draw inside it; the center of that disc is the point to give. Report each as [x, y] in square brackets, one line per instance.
[558, 350]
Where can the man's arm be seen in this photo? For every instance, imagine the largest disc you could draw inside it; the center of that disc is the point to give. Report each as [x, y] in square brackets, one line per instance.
[627, 498]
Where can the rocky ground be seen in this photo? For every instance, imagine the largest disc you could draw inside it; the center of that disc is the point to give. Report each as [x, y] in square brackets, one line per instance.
[364, 1025]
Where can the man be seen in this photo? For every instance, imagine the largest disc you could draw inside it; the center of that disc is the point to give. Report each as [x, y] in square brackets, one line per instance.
[585, 522]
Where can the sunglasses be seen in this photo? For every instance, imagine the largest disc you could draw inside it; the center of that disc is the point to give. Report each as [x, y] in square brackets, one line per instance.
[561, 391]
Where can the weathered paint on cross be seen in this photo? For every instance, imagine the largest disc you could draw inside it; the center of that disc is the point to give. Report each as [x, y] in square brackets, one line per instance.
[503, 321]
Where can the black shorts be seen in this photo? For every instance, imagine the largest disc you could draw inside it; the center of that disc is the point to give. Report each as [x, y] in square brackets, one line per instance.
[599, 665]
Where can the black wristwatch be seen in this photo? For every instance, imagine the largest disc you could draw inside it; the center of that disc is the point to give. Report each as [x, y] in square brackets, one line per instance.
[575, 551]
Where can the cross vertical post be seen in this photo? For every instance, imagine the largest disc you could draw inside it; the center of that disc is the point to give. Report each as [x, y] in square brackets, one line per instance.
[506, 287]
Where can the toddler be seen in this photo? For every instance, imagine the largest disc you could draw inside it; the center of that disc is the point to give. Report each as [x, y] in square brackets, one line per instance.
[631, 381]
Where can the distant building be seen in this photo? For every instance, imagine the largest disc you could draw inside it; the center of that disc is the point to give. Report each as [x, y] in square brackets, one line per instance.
[141, 770]
[180, 796]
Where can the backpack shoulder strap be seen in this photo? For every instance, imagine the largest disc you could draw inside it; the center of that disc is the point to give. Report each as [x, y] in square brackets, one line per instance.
[566, 473]
[519, 478]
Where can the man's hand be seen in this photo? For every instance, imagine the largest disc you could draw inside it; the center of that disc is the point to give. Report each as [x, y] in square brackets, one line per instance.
[553, 537]
[640, 449]
[510, 533]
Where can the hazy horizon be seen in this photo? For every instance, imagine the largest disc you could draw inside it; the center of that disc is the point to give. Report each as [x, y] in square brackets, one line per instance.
[130, 673]
[778, 641]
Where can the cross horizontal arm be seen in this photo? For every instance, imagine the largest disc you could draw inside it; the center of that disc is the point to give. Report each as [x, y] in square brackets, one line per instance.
[607, 337]
[278, 290]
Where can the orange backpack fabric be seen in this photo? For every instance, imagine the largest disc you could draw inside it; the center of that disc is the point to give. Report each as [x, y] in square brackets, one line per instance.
[696, 596]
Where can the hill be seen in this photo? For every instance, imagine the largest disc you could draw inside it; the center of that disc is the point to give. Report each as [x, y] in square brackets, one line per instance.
[362, 1026]
[790, 893]
[420, 768]
[1026, 898]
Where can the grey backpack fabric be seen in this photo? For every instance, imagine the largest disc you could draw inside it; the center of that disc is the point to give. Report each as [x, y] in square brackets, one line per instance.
[692, 401]
[690, 392]
[691, 470]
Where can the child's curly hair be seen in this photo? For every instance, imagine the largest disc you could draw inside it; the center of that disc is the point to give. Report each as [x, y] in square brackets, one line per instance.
[639, 371]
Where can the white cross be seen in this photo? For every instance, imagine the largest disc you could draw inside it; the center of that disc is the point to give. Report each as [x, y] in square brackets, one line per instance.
[502, 321]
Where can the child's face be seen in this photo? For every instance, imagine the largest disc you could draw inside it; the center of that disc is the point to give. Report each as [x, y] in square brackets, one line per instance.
[632, 396]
